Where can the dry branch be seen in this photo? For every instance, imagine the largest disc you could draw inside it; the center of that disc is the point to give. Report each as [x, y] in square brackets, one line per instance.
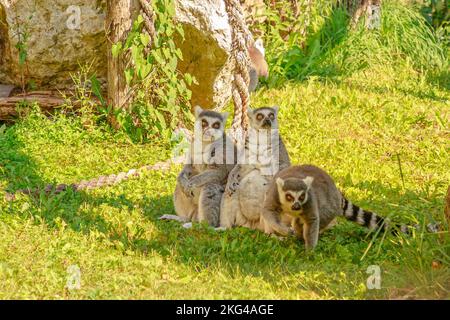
[15, 106]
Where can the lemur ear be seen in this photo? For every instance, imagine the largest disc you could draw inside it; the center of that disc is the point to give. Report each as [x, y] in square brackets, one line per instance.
[276, 108]
[259, 42]
[280, 182]
[225, 116]
[197, 111]
[260, 46]
[308, 181]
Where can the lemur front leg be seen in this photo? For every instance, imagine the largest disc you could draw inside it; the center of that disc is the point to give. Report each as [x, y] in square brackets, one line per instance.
[234, 178]
[183, 180]
[209, 204]
[213, 175]
[297, 226]
[272, 223]
[311, 232]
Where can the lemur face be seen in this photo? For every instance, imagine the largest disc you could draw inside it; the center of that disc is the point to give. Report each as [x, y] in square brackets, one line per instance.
[264, 118]
[209, 124]
[293, 194]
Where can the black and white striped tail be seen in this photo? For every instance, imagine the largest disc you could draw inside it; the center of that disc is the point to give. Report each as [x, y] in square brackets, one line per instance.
[370, 219]
[362, 217]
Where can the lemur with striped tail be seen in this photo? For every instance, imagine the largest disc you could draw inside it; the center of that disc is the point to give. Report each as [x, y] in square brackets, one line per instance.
[259, 159]
[201, 182]
[306, 198]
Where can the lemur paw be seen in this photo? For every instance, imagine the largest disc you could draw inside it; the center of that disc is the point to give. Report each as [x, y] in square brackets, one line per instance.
[278, 237]
[189, 191]
[172, 217]
[433, 227]
[232, 187]
[194, 182]
[285, 231]
[187, 225]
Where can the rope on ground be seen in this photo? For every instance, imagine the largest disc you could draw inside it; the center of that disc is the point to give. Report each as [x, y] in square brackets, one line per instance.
[94, 183]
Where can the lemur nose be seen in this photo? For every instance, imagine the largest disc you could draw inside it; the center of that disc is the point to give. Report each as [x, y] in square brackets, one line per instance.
[267, 122]
[296, 206]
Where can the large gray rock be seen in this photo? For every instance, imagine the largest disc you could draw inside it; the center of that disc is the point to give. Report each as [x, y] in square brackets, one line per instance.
[56, 45]
[206, 50]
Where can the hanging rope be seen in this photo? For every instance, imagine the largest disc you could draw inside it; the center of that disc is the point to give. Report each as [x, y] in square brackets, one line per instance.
[149, 22]
[241, 40]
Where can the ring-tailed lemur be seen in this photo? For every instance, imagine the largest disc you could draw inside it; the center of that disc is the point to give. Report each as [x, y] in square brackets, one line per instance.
[258, 65]
[259, 160]
[306, 198]
[201, 183]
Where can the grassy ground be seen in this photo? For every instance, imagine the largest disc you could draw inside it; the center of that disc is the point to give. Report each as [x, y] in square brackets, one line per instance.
[358, 129]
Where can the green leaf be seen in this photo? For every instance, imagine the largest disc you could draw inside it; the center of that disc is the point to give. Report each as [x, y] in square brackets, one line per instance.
[161, 119]
[116, 49]
[158, 58]
[144, 70]
[136, 54]
[180, 31]
[145, 39]
[179, 53]
[173, 64]
[96, 89]
[166, 53]
[188, 78]
[137, 23]
[129, 75]
[170, 9]
[22, 57]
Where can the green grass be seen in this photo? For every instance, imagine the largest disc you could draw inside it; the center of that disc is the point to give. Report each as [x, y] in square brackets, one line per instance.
[356, 128]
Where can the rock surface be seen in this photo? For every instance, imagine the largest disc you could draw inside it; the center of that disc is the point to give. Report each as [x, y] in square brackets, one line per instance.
[57, 44]
[206, 50]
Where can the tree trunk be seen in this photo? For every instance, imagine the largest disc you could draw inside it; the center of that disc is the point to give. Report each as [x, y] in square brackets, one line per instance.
[120, 15]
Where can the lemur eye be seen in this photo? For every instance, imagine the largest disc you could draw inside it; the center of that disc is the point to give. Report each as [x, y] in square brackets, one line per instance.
[302, 197]
[216, 125]
[289, 198]
[259, 116]
[271, 116]
[204, 123]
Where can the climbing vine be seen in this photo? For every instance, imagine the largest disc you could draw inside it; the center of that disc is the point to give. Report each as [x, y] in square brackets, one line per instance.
[160, 94]
[20, 30]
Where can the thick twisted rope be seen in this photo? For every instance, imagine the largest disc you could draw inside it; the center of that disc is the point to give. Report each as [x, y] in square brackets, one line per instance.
[149, 22]
[94, 183]
[241, 39]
